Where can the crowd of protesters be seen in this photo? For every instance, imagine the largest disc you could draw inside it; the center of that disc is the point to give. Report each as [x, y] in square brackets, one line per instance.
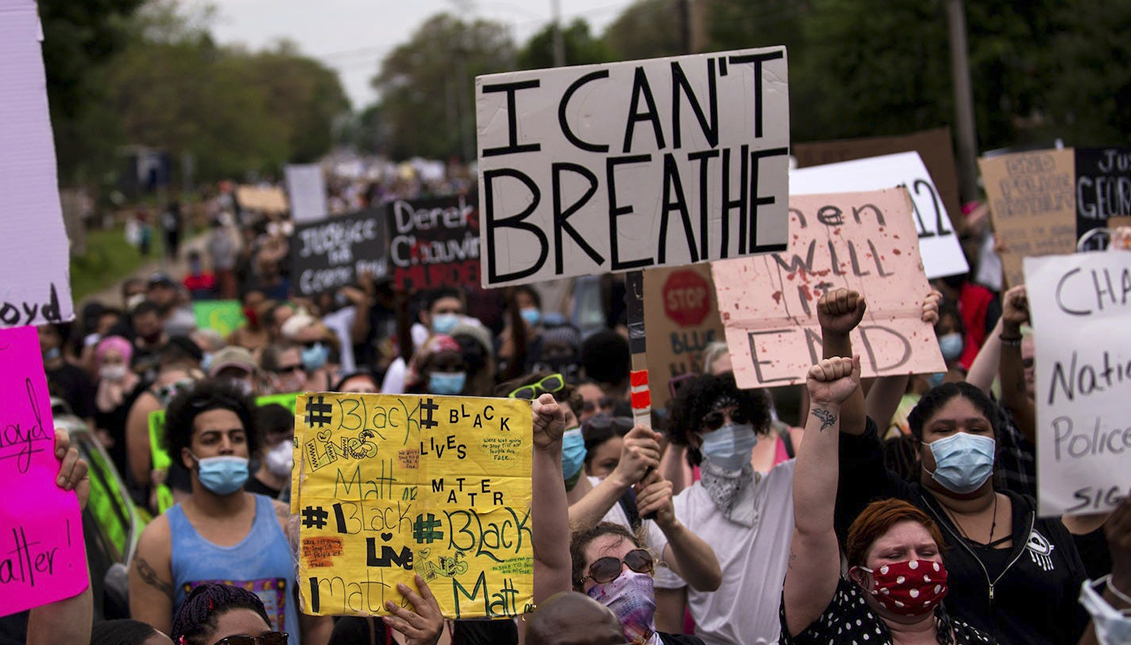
[890, 510]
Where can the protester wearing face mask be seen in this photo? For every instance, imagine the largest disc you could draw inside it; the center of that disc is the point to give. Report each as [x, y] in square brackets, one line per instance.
[529, 305]
[220, 531]
[610, 566]
[237, 366]
[253, 335]
[118, 389]
[1011, 574]
[283, 368]
[64, 379]
[561, 352]
[275, 429]
[746, 517]
[896, 578]
[443, 309]
[438, 368]
[170, 380]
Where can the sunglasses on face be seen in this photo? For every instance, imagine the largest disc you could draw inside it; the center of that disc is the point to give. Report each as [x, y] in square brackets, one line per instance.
[716, 419]
[289, 369]
[270, 638]
[604, 422]
[552, 383]
[607, 569]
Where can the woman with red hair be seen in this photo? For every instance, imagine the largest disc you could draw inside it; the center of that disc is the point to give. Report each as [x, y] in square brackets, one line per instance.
[896, 578]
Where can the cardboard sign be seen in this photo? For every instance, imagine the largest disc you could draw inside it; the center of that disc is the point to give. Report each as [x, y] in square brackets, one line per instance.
[1033, 206]
[42, 553]
[664, 162]
[942, 254]
[264, 199]
[935, 148]
[306, 188]
[683, 318]
[389, 486]
[1103, 188]
[35, 282]
[433, 243]
[330, 254]
[860, 241]
[1080, 305]
[225, 316]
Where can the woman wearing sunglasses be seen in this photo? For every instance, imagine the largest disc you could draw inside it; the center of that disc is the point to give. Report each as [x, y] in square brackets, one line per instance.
[215, 614]
[610, 566]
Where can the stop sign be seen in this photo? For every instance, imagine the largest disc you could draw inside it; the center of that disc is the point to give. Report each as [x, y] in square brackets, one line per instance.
[687, 297]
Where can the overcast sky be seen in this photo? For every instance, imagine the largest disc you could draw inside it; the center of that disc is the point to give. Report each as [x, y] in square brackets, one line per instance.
[352, 36]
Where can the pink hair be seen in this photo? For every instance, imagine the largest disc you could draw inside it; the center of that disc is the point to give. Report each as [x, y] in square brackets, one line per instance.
[116, 343]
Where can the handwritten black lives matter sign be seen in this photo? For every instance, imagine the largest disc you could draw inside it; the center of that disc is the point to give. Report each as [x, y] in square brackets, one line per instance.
[617, 167]
[1080, 305]
[1103, 188]
[433, 242]
[392, 486]
[330, 254]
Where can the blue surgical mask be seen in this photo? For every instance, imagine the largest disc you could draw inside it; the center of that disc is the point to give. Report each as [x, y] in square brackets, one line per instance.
[531, 315]
[951, 346]
[573, 453]
[314, 357]
[730, 446]
[51, 354]
[206, 362]
[222, 475]
[963, 461]
[444, 323]
[936, 379]
[446, 383]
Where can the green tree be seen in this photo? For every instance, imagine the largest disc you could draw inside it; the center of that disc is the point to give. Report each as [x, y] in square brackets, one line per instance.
[581, 47]
[427, 85]
[78, 39]
[646, 29]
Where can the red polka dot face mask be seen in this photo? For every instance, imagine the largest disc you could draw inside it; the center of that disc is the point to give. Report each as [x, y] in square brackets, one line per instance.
[909, 588]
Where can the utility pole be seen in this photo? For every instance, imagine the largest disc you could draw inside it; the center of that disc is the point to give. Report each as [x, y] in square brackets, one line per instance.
[684, 7]
[963, 101]
[559, 42]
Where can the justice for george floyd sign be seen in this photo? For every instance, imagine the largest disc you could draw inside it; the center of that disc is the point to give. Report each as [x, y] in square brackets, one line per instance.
[1080, 305]
[663, 162]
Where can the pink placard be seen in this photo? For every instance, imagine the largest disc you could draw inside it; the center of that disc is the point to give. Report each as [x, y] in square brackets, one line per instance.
[861, 241]
[42, 556]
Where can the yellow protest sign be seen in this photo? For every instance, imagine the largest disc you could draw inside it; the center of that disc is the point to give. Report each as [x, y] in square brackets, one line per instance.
[389, 486]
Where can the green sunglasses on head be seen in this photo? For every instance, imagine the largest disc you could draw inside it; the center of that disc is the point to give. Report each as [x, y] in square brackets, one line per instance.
[552, 383]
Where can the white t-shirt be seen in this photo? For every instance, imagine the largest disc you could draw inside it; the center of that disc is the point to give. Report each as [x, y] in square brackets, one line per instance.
[744, 610]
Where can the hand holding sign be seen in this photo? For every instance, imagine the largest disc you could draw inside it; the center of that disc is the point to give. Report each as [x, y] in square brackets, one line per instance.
[640, 452]
[73, 470]
[840, 311]
[420, 627]
[654, 495]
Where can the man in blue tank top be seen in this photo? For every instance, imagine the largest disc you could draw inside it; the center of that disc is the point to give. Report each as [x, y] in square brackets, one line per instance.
[221, 533]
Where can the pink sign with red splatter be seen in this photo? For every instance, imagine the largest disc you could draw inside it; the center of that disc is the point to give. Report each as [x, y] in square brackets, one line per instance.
[861, 241]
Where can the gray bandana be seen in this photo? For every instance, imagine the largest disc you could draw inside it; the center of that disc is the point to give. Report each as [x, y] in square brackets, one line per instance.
[731, 490]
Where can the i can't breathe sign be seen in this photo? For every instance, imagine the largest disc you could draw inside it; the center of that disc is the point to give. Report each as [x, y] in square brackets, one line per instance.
[663, 162]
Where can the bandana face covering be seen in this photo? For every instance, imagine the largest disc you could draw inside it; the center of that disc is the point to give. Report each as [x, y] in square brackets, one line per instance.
[632, 597]
[910, 588]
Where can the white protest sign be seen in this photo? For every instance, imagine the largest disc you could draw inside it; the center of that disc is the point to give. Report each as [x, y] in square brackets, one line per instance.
[306, 189]
[662, 162]
[942, 254]
[35, 283]
[1081, 310]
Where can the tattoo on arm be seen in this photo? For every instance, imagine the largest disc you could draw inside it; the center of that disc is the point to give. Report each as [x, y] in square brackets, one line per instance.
[283, 512]
[827, 418]
[149, 576]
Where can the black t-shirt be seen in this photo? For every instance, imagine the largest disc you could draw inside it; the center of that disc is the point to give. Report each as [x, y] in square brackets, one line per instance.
[679, 639]
[72, 385]
[849, 619]
[1033, 602]
[114, 422]
[253, 485]
[1094, 553]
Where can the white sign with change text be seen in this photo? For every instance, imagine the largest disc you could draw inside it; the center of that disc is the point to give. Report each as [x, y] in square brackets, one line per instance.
[1081, 310]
